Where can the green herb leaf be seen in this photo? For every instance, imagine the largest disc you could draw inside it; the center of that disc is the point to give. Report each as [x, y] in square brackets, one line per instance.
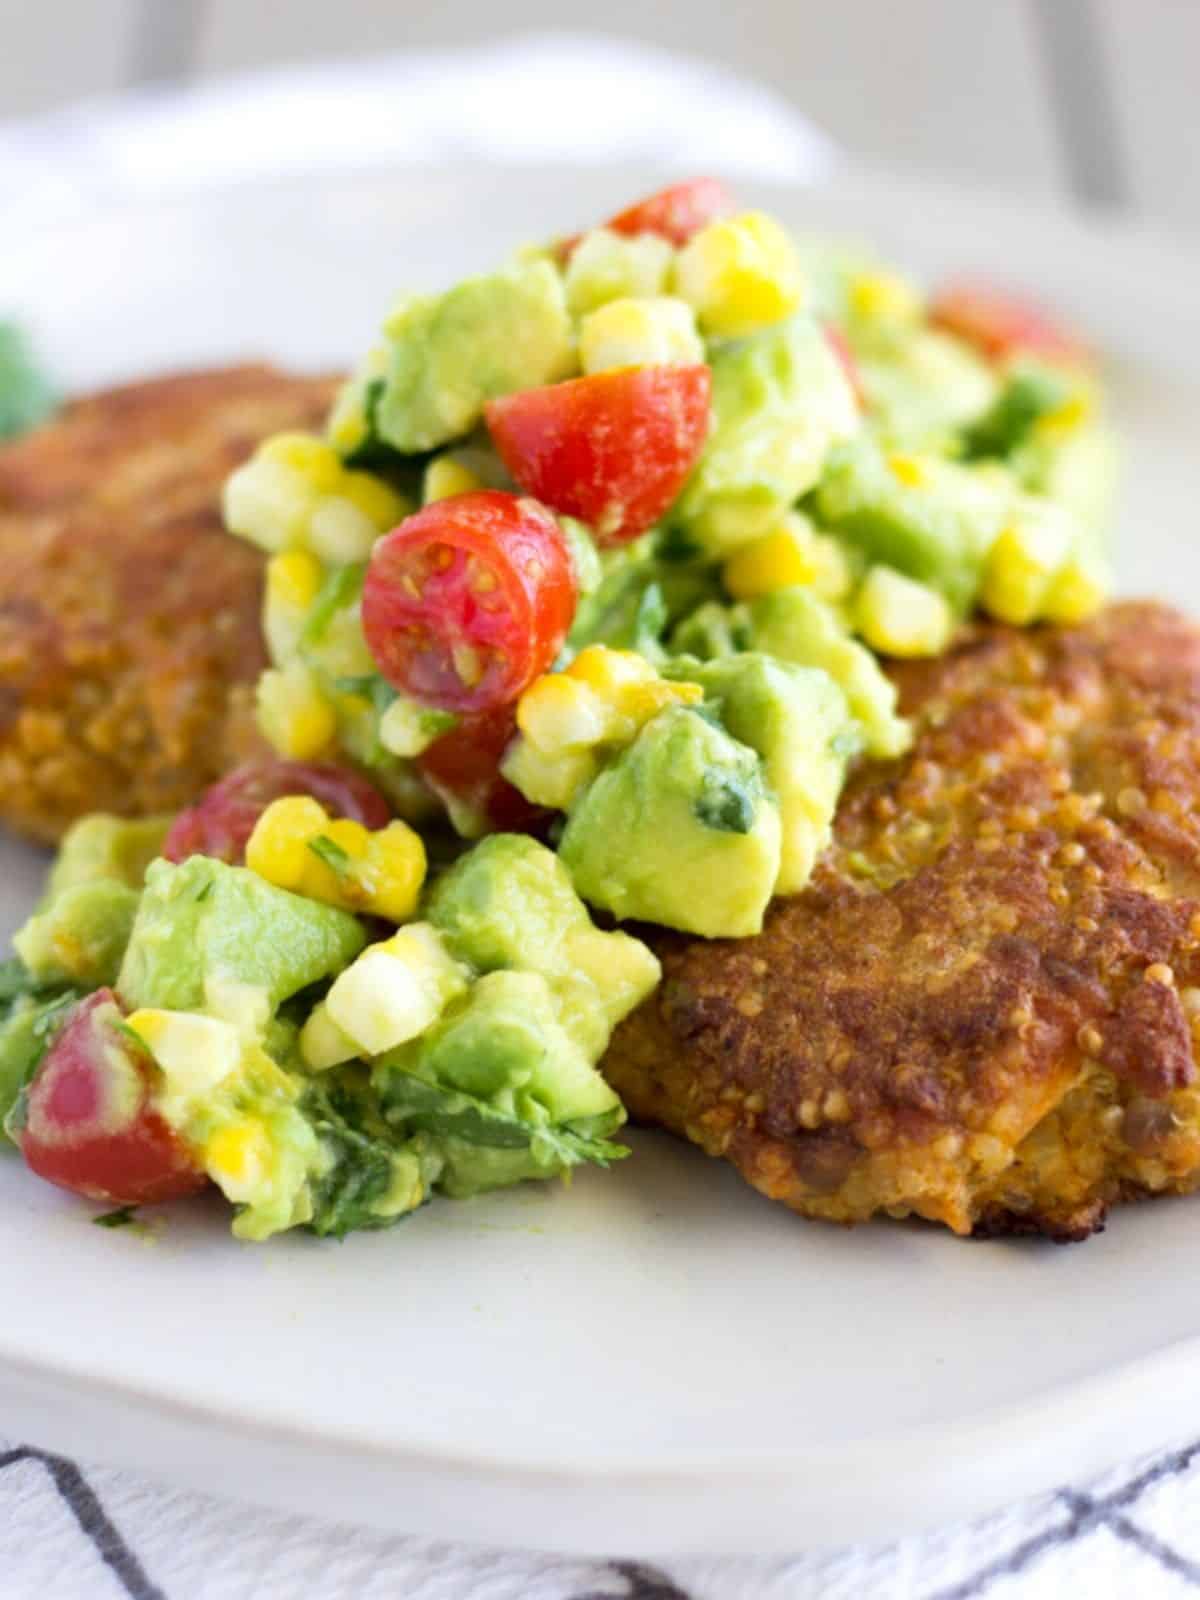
[26, 397]
[120, 1218]
[724, 803]
[340, 589]
[331, 853]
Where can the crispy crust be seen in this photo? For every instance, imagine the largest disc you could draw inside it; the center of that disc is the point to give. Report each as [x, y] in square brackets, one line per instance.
[129, 620]
[981, 1010]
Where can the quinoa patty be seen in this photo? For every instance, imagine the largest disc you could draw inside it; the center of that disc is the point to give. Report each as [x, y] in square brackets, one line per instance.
[981, 1010]
[130, 635]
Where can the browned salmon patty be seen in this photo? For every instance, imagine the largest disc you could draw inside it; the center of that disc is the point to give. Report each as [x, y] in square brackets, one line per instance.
[130, 632]
[984, 1009]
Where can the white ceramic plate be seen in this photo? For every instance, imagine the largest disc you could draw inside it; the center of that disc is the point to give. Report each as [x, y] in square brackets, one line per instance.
[653, 1360]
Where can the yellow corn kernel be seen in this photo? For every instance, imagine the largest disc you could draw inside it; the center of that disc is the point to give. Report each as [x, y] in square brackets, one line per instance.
[376, 500]
[295, 717]
[278, 847]
[306, 454]
[606, 670]
[348, 426]
[548, 779]
[1078, 591]
[319, 880]
[339, 532]
[293, 579]
[641, 701]
[239, 1157]
[559, 712]
[444, 477]
[268, 503]
[657, 331]
[911, 471]
[393, 872]
[740, 274]
[1078, 409]
[776, 561]
[898, 616]
[883, 297]
[322, 1042]
[1020, 569]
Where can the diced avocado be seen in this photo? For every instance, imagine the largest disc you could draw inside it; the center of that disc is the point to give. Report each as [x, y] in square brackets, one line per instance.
[780, 402]
[796, 626]
[1077, 468]
[613, 266]
[450, 353]
[930, 519]
[25, 1036]
[799, 722]
[500, 1087]
[1028, 395]
[921, 385]
[81, 937]
[509, 904]
[102, 846]
[679, 830]
[218, 939]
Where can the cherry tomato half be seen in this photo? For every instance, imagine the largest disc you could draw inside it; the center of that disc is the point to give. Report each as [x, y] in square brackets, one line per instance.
[1000, 324]
[223, 818]
[90, 1123]
[612, 449]
[466, 602]
[674, 213]
[464, 766]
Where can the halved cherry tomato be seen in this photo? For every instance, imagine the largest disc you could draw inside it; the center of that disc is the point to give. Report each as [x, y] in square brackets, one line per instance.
[1001, 324]
[464, 766]
[223, 818]
[841, 349]
[469, 600]
[674, 213]
[89, 1119]
[613, 449]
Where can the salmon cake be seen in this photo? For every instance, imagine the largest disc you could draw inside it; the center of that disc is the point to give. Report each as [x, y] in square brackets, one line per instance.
[983, 1010]
[130, 633]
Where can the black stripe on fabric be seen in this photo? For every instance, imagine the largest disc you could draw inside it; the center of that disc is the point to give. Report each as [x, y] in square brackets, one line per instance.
[642, 1583]
[94, 1522]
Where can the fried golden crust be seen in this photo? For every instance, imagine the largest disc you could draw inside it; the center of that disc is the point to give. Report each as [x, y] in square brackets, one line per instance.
[130, 632]
[980, 1011]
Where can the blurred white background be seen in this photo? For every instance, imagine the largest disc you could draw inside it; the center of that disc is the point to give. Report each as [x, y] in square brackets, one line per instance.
[1091, 100]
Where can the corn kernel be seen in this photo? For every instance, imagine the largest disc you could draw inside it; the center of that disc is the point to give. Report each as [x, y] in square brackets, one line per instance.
[277, 849]
[607, 670]
[322, 1042]
[1020, 568]
[376, 500]
[293, 579]
[269, 503]
[239, 1157]
[883, 297]
[406, 728]
[339, 532]
[911, 471]
[898, 616]
[558, 712]
[304, 453]
[740, 274]
[552, 779]
[444, 477]
[393, 871]
[659, 331]
[296, 718]
[1077, 592]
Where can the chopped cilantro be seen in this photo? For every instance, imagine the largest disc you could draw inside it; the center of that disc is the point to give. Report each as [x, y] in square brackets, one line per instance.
[724, 803]
[26, 397]
[120, 1218]
[331, 853]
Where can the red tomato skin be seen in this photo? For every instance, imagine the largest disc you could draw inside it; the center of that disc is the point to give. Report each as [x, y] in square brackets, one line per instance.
[90, 1122]
[674, 213]
[1000, 324]
[613, 449]
[222, 820]
[488, 570]
[465, 764]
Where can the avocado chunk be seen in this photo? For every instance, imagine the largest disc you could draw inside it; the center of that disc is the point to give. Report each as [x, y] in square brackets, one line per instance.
[26, 1033]
[450, 353]
[799, 722]
[220, 940]
[81, 936]
[937, 527]
[679, 829]
[796, 626]
[501, 1088]
[102, 846]
[780, 402]
[922, 385]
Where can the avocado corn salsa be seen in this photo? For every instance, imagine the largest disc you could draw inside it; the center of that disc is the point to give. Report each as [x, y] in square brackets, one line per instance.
[576, 611]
